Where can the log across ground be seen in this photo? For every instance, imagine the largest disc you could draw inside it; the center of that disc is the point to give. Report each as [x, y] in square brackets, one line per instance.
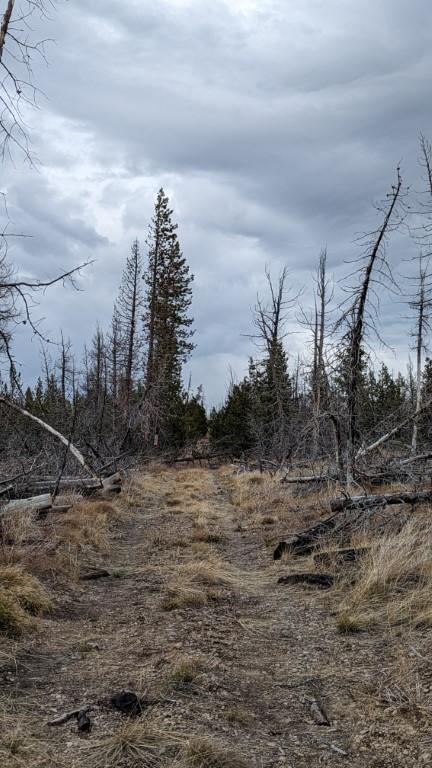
[190, 616]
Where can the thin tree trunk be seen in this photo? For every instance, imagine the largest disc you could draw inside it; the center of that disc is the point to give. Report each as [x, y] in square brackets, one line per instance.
[5, 25]
[72, 448]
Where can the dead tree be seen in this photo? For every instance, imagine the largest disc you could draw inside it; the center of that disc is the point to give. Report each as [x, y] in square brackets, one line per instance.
[323, 297]
[422, 306]
[271, 427]
[128, 310]
[356, 316]
[17, 49]
[54, 432]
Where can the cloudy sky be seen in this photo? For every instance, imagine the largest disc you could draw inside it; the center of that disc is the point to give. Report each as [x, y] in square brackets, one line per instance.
[273, 126]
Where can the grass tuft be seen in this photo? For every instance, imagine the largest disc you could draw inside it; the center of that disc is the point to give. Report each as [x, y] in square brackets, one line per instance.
[138, 743]
[206, 753]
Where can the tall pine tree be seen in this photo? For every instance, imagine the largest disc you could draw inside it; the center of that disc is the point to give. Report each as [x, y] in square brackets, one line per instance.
[167, 324]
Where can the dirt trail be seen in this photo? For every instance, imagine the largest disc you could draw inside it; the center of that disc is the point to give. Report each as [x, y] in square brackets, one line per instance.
[266, 651]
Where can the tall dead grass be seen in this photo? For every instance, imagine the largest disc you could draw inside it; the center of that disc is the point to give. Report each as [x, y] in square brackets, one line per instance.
[394, 582]
[22, 597]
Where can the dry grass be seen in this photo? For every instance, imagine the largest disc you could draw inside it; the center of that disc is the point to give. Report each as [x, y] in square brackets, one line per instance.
[16, 529]
[185, 671]
[197, 582]
[237, 716]
[87, 524]
[394, 582]
[207, 753]
[261, 499]
[138, 743]
[22, 597]
[19, 748]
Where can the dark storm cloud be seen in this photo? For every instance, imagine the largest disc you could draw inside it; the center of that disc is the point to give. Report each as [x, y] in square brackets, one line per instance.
[272, 125]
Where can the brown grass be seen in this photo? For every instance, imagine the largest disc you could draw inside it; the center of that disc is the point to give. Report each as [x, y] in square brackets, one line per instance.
[136, 744]
[394, 582]
[22, 597]
[185, 670]
[19, 748]
[203, 752]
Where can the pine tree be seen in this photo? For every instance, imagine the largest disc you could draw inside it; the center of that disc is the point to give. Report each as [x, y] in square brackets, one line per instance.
[167, 323]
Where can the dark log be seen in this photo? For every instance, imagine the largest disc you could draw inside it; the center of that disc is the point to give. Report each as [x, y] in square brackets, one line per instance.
[379, 500]
[310, 479]
[321, 580]
[96, 574]
[304, 543]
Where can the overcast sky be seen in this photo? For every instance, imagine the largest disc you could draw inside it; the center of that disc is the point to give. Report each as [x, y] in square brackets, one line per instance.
[272, 125]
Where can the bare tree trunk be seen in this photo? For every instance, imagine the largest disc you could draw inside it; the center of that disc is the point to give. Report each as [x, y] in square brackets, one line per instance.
[5, 25]
[420, 302]
[356, 334]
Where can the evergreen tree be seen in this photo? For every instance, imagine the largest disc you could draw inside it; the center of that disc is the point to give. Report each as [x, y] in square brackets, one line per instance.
[230, 426]
[167, 323]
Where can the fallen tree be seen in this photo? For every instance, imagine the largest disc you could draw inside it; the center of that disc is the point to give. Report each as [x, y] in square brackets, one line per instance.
[305, 542]
[379, 500]
[69, 445]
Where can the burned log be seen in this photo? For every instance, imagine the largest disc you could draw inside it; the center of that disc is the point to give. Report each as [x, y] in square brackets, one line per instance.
[304, 543]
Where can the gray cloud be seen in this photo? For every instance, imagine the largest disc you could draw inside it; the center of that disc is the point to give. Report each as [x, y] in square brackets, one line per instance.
[272, 125]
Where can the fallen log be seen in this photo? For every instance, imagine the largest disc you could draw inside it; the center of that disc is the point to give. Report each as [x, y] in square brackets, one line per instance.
[34, 504]
[304, 543]
[379, 500]
[87, 487]
[310, 479]
[321, 580]
[101, 573]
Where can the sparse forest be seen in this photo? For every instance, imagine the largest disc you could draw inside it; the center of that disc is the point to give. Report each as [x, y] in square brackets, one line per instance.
[215, 585]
